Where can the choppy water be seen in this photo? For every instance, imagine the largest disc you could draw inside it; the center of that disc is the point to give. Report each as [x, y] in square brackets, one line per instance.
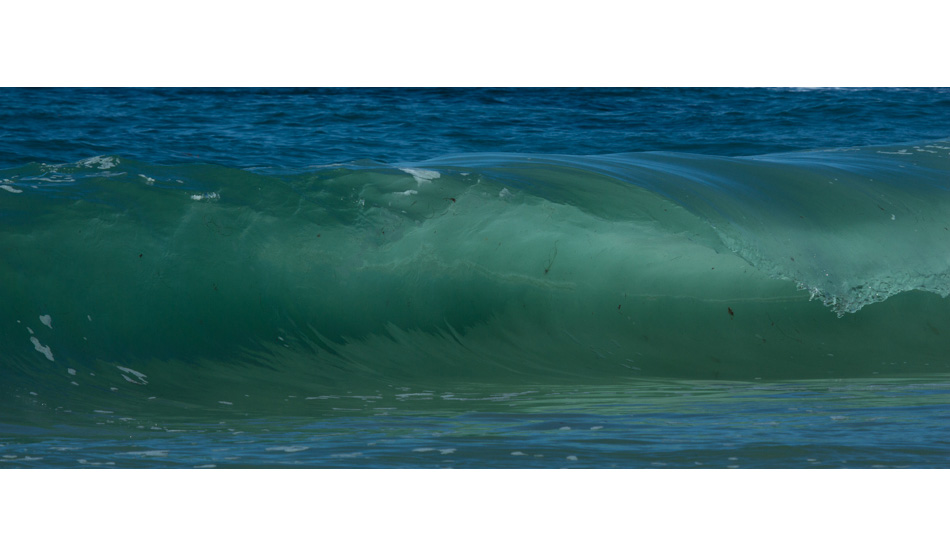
[644, 424]
[474, 278]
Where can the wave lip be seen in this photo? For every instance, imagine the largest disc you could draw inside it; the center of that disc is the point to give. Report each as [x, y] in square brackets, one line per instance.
[851, 226]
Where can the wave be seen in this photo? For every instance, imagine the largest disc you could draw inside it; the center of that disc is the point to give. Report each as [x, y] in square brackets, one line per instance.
[481, 267]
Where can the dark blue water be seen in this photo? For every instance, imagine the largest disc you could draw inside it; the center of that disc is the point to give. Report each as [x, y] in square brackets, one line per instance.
[293, 129]
[474, 277]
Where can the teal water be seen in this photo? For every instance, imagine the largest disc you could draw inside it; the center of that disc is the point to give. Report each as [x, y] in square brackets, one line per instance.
[637, 309]
[853, 423]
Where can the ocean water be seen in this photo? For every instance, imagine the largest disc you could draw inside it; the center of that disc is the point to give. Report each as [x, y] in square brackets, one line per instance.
[542, 278]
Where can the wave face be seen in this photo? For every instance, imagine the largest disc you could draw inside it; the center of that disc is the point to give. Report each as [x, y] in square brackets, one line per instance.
[476, 267]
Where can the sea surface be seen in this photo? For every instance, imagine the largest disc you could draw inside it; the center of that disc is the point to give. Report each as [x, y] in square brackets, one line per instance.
[475, 278]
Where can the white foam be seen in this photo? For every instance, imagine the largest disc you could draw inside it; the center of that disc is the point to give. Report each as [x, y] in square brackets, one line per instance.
[72, 372]
[57, 179]
[141, 377]
[10, 188]
[408, 192]
[27, 458]
[206, 196]
[571, 457]
[504, 193]
[41, 348]
[85, 462]
[46, 320]
[518, 453]
[431, 449]
[289, 448]
[160, 454]
[225, 402]
[422, 176]
[100, 162]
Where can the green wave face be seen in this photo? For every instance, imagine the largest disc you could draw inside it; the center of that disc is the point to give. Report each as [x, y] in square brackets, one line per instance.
[477, 268]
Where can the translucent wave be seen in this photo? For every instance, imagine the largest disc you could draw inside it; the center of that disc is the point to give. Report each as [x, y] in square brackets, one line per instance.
[149, 278]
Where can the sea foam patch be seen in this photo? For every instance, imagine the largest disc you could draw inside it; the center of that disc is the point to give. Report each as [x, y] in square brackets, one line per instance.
[139, 377]
[422, 176]
[206, 197]
[100, 162]
[41, 348]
